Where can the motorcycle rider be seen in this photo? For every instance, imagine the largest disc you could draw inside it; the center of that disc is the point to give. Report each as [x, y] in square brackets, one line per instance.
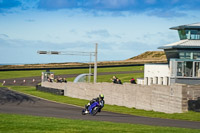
[99, 99]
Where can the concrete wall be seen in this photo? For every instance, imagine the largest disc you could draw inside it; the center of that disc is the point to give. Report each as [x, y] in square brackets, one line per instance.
[156, 70]
[156, 74]
[168, 99]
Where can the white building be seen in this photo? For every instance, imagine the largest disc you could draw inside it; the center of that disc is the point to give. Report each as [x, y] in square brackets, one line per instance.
[183, 60]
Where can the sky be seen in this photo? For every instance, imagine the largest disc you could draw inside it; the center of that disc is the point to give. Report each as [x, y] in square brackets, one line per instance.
[122, 28]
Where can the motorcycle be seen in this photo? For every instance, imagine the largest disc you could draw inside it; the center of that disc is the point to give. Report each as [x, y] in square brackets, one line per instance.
[93, 109]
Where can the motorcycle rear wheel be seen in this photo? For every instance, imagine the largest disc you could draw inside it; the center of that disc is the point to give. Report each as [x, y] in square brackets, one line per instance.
[94, 111]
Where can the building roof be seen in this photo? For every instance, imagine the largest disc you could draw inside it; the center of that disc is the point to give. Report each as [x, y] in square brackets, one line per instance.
[182, 44]
[188, 26]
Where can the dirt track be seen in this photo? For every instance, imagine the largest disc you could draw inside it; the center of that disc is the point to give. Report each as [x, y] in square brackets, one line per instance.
[17, 103]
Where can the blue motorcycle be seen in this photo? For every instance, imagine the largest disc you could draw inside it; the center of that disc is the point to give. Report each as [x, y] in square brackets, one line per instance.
[93, 109]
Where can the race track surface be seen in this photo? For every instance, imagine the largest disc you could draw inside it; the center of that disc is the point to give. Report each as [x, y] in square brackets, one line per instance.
[17, 103]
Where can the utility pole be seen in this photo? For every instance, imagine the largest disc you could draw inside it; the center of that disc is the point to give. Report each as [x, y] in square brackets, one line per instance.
[95, 64]
[89, 77]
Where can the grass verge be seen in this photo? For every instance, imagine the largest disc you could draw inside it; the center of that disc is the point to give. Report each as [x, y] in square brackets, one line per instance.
[24, 123]
[192, 116]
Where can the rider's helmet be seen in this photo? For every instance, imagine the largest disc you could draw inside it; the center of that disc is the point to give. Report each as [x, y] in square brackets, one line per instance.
[101, 96]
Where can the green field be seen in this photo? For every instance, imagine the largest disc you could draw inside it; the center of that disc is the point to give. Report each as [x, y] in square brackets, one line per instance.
[19, 74]
[23, 123]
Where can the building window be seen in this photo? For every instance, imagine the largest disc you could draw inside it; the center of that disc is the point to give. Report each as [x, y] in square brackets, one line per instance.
[189, 34]
[185, 55]
[182, 55]
[184, 69]
[195, 34]
[195, 55]
[179, 69]
[189, 55]
[188, 68]
[182, 34]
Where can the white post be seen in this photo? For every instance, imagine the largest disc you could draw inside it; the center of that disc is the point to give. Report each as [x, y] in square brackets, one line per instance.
[146, 81]
[95, 65]
[155, 80]
[165, 80]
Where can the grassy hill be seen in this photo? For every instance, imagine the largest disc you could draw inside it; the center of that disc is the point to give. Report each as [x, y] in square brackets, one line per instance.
[150, 56]
[147, 57]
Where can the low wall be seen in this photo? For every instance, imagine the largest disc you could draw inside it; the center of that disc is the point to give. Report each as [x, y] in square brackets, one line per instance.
[168, 99]
[191, 97]
[50, 90]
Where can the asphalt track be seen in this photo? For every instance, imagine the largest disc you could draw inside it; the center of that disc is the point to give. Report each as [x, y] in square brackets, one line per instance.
[17, 103]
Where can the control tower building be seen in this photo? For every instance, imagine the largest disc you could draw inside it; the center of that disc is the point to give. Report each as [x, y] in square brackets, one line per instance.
[183, 59]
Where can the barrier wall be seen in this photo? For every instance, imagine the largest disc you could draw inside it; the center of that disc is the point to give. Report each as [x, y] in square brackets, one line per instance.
[50, 90]
[191, 97]
[168, 99]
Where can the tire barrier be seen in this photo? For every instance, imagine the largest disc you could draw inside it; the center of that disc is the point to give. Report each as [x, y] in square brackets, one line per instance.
[194, 105]
[50, 90]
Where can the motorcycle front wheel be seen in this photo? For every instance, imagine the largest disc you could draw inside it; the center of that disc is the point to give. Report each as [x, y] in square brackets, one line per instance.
[83, 112]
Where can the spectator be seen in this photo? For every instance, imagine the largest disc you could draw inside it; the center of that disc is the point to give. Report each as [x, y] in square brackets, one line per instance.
[64, 80]
[114, 79]
[49, 80]
[132, 81]
[59, 80]
[119, 81]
